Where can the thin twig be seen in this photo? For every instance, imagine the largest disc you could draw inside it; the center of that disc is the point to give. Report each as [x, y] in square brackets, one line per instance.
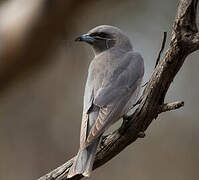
[162, 48]
[171, 106]
[160, 52]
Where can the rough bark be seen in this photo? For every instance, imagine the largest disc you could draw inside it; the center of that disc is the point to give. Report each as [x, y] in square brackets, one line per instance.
[185, 40]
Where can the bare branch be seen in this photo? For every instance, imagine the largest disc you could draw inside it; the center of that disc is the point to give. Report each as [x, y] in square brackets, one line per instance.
[159, 54]
[171, 106]
[153, 96]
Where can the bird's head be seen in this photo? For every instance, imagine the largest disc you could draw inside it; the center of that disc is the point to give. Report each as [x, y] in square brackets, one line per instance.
[104, 37]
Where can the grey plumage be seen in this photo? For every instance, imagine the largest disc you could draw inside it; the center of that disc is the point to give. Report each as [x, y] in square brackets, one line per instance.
[114, 79]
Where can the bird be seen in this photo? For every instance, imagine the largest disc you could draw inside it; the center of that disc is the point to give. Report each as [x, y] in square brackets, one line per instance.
[113, 84]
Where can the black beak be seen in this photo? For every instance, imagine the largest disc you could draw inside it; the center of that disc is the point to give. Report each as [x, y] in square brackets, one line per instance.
[85, 38]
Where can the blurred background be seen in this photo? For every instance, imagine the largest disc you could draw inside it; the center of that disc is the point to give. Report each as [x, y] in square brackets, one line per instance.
[42, 77]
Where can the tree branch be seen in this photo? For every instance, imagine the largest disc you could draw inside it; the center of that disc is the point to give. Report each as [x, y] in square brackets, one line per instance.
[152, 103]
[171, 106]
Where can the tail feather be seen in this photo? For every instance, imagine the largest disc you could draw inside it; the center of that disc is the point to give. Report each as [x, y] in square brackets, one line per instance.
[83, 162]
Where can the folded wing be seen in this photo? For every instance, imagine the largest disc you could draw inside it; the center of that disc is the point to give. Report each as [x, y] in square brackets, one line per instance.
[115, 93]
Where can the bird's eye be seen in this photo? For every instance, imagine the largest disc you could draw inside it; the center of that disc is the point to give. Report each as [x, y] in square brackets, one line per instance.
[100, 35]
[93, 34]
[103, 35]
